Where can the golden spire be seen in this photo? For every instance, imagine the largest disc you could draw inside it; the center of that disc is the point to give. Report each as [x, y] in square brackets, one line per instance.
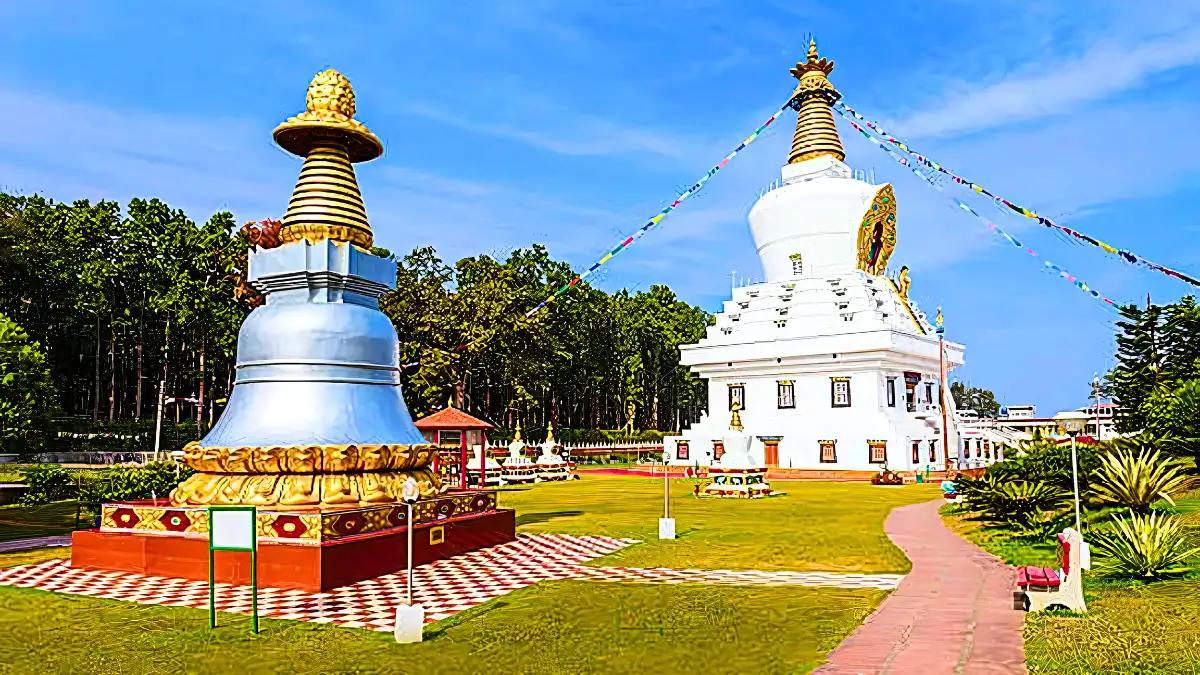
[735, 420]
[816, 133]
[517, 436]
[550, 432]
[326, 202]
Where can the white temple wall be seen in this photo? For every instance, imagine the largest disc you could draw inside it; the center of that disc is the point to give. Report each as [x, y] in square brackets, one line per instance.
[814, 418]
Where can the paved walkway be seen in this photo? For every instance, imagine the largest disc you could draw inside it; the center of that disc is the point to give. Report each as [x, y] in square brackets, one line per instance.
[444, 587]
[952, 614]
[24, 544]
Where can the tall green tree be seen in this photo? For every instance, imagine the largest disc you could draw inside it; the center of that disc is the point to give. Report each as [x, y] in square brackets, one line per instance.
[26, 390]
[982, 401]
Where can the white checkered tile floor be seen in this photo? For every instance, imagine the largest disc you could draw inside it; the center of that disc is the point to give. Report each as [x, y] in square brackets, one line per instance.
[444, 587]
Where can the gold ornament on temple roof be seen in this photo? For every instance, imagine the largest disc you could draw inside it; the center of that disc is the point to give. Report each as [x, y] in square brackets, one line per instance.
[735, 419]
[903, 282]
[877, 233]
[816, 133]
[326, 202]
[939, 317]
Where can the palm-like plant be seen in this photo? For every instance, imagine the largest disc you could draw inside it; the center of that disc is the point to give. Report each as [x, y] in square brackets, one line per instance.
[1149, 545]
[1138, 479]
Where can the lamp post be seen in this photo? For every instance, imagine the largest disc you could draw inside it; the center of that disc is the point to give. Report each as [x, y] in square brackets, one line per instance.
[1071, 423]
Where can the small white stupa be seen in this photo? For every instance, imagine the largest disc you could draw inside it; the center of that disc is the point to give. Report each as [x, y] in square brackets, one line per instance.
[517, 467]
[550, 464]
[736, 474]
[493, 471]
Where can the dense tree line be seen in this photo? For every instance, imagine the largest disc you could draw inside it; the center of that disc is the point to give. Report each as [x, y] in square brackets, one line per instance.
[120, 300]
[1157, 377]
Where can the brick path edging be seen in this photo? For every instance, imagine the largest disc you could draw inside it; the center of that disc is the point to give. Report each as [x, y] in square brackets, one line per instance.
[953, 614]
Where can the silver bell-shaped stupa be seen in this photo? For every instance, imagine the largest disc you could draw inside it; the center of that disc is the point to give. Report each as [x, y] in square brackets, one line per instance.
[316, 416]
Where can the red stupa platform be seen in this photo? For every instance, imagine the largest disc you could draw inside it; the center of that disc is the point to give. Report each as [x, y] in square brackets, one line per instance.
[312, 550]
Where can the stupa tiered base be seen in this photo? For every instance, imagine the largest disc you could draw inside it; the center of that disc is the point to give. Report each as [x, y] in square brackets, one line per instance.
[738, 482]
[313, 550]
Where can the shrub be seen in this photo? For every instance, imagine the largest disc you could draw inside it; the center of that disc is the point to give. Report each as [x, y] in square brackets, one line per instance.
[47, 483]
[123, 483]
[1151, 545]
[1134, 478]
[1031, 506]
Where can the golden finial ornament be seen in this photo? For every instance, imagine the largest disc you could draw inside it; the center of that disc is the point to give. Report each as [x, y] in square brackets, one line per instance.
[517, 435]
[939, 317]
[550, 432]
[326, 202]
[735, 420]
[816, 133]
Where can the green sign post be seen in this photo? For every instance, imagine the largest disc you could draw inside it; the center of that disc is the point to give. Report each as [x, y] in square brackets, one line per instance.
[232, 528]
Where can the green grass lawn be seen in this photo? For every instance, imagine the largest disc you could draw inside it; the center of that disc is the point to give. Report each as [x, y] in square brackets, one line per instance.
[1130, 627]
[558, 627]
[47, 520]
[816, 526]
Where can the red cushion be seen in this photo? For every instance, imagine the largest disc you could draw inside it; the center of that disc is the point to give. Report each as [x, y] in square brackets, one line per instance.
[1037, 576]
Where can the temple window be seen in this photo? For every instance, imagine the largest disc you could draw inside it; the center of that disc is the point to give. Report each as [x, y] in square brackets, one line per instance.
[916, 452]
[797, 265]
[828, 452]
[840, 392]
[928, 393]
[737, 394]
[681, 450]
[933, 451]
[877, 452]
[891, 392]
[447, 437]
[786, 394]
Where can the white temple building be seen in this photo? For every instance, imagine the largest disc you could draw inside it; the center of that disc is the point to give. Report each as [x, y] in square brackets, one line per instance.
[833, 365]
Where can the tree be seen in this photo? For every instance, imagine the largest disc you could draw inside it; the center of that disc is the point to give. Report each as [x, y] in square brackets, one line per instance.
[26, 391]
[982, 401]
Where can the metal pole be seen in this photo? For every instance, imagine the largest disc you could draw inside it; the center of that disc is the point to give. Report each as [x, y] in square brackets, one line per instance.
[162, 384]
[942, 394]
[666, 500]
[410, 552]
[254, 568]
[1075, 480]
[212, 591]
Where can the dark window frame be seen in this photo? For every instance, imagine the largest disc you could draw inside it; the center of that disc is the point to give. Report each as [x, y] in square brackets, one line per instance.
[891, 392]
[742, 391]
[790, 388]
[916, 448]
[933, 451]
[871, 454]
[833, 393]
[821, 453]
[681, 450]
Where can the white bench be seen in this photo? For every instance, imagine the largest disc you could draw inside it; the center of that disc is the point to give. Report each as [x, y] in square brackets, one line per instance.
[1044, 587]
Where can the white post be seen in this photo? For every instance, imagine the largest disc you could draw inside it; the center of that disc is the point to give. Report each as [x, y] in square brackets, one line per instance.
[410, 618]
[666, 524]
[162, 384]
[1075, 481]
[410, 552]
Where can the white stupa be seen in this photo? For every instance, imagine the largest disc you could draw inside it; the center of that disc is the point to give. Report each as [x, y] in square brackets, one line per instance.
[550, 464]
[736, 473]
[493, 472]
[517, 467]
[834, 367]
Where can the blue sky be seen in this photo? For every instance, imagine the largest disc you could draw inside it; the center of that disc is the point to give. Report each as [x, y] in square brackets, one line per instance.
[569, 123]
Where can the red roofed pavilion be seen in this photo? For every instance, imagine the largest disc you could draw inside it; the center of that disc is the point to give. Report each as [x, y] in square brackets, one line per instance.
[451, 426]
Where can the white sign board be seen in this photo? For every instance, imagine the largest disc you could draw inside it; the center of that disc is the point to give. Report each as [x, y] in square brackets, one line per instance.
[232, 530]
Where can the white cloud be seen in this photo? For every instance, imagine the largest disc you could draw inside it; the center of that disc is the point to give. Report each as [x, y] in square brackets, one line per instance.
[1108, 67]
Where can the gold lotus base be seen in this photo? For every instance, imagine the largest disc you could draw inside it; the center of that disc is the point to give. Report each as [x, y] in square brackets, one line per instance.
[302, 490]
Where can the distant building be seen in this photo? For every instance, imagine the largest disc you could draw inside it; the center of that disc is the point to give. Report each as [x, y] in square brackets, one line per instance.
[1021, 411]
